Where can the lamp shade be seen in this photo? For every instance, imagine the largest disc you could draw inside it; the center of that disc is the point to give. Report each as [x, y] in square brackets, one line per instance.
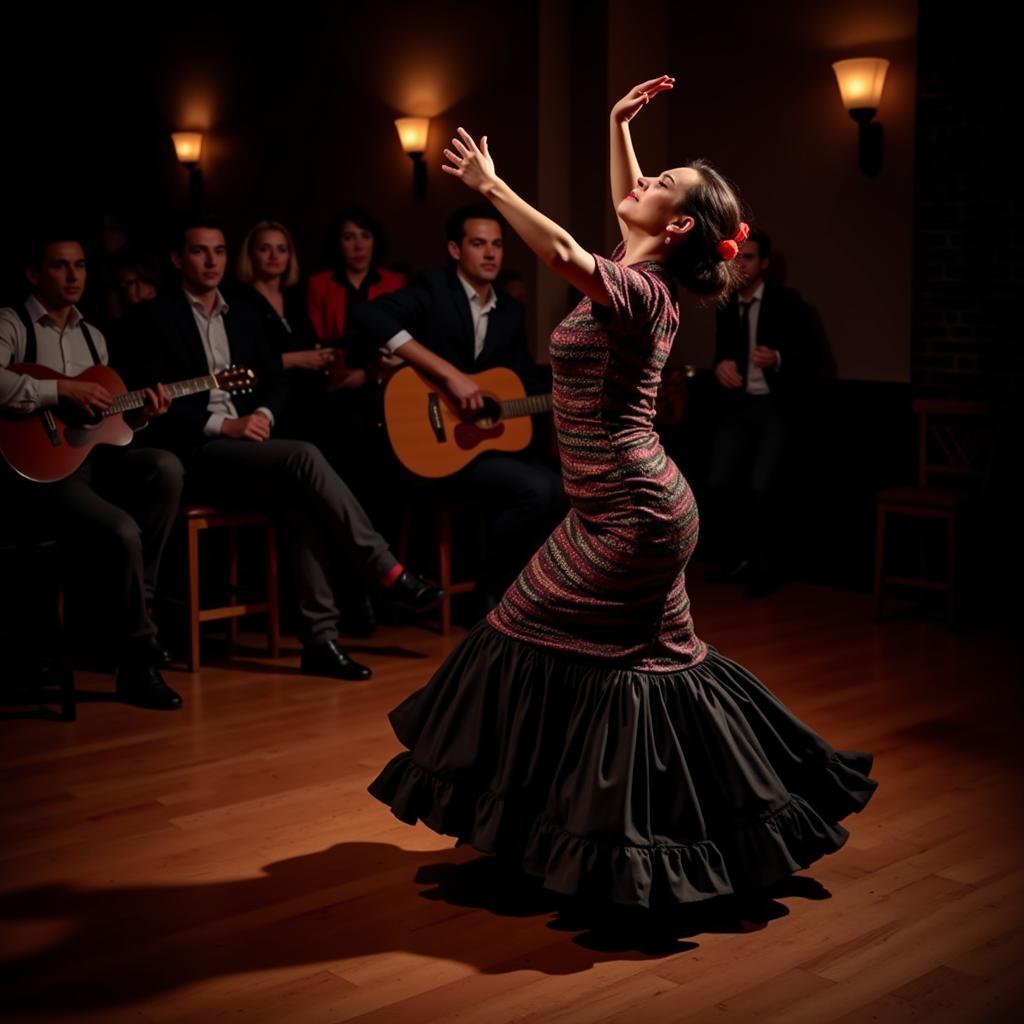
[188, 146]
[860, 81]
[412, 133]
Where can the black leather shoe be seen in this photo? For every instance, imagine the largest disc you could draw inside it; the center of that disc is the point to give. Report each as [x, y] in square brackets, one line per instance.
[143, 686]
[330, 660]
[412, 593]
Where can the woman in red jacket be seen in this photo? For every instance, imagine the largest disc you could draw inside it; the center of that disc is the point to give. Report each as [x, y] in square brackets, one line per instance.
[354, 247]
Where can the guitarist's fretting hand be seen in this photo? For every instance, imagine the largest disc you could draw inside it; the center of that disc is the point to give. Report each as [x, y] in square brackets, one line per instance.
[255, 427]
[94, 399]
[465, 391]
[157, 403]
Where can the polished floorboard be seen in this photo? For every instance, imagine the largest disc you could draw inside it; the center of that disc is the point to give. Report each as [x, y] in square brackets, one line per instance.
[224, 862]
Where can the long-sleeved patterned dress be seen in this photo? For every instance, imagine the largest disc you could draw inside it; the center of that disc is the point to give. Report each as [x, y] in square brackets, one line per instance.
[582, 726]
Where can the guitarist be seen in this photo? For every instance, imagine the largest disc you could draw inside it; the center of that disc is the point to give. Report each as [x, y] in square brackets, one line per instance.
[115, 512]
[453, 322]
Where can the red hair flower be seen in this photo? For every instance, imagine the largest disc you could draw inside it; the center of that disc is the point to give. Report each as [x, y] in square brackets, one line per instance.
[729, 247]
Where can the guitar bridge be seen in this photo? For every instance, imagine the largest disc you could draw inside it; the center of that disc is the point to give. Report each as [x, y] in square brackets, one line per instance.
[50, 426]
[435, 418]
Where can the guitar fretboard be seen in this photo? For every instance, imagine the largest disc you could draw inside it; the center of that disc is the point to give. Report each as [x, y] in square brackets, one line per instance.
[528, 406]
[137, 399]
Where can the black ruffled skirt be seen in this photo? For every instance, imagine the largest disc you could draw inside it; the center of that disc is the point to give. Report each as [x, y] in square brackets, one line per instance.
[639, 788]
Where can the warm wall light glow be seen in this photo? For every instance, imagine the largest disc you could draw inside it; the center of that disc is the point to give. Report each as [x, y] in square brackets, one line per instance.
[860, 81]
[412, 132]
[188, 146]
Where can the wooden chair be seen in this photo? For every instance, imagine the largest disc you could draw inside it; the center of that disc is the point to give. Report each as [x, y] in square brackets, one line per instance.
[445, 509]
[956, 443]
[198, 518]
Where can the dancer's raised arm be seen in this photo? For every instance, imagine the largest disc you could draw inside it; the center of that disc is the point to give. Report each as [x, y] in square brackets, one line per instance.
[552, 243]
[624, 168]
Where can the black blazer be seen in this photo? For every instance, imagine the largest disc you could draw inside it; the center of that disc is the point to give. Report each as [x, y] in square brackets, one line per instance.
[435, 311]
[166, 347]
[782, 324]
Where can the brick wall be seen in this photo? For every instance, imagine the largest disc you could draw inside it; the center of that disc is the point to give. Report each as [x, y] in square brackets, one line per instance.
[968, 241]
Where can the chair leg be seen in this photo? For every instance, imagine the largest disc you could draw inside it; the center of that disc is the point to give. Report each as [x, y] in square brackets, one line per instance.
[444, 564]
[192, 600]
[233, 583]
[273, 616]
[879, 561]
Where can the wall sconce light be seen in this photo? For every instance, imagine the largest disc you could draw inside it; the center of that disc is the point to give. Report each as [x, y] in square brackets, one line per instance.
[189, 147]
[860, 85]
[412, 133]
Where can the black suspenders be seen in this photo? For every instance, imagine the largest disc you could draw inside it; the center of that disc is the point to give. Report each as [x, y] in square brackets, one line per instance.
[32, 349]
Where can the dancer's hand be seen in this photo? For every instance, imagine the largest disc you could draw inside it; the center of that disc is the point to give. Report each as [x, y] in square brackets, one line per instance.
[639, 96]
[470, 162]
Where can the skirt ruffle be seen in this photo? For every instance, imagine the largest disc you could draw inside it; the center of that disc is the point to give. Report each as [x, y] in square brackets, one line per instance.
[639, 788]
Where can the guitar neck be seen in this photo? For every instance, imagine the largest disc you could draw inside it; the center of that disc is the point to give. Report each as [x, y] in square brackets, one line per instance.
[528, 406]
[137, 399]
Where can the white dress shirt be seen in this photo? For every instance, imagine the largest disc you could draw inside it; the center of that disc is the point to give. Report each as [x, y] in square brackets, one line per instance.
[479, 311]
[756, 384]
[63, 349]
[217, 349]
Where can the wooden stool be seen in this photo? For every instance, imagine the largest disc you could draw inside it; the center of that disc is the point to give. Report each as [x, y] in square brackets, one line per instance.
[445, 509]
[956, 442]
[204, 517]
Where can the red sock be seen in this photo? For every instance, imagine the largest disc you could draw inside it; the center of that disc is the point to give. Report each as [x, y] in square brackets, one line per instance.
[392, 575]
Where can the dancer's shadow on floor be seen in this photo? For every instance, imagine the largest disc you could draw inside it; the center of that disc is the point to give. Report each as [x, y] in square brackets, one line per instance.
[126, 944]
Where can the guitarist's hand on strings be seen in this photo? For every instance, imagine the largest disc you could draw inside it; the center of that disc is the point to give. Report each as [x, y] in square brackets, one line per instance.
[157, 403]
[94, 399]
[466, 392]
[255, 427]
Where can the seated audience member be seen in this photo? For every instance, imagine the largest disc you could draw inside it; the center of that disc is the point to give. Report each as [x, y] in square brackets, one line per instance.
[324, 407]
[233, 459]
[113, 515]
[354, 251]
[764, 345]
[136, 278]
[453, 322]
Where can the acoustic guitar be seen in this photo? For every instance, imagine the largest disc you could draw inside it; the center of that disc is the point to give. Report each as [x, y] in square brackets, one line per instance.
[50, 444]
[430, 435]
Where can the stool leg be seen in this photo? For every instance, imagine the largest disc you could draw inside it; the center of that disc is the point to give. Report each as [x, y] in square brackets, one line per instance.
[273, 617]
[444, 564]
[192, 600]
[233, 582]
[879, 560]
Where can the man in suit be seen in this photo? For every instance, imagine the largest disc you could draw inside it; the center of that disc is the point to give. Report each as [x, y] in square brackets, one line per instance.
[762, 355]
[113, 515]
[233, 459]
[452, 323]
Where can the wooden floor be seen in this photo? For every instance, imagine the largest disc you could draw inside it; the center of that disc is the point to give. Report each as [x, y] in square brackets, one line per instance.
[225, 862]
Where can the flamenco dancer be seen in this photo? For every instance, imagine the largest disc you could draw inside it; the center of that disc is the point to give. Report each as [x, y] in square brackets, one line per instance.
[583, 728]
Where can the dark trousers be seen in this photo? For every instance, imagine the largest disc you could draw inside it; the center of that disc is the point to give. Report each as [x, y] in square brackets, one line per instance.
[744, 479]
[318, 515]
[523, 500]
[112, 517]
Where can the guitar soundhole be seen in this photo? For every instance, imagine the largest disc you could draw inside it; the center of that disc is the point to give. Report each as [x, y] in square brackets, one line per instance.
[489, 415]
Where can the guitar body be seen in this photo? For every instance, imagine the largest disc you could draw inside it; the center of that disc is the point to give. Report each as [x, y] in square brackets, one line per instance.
[431, 438]
[50, 444]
